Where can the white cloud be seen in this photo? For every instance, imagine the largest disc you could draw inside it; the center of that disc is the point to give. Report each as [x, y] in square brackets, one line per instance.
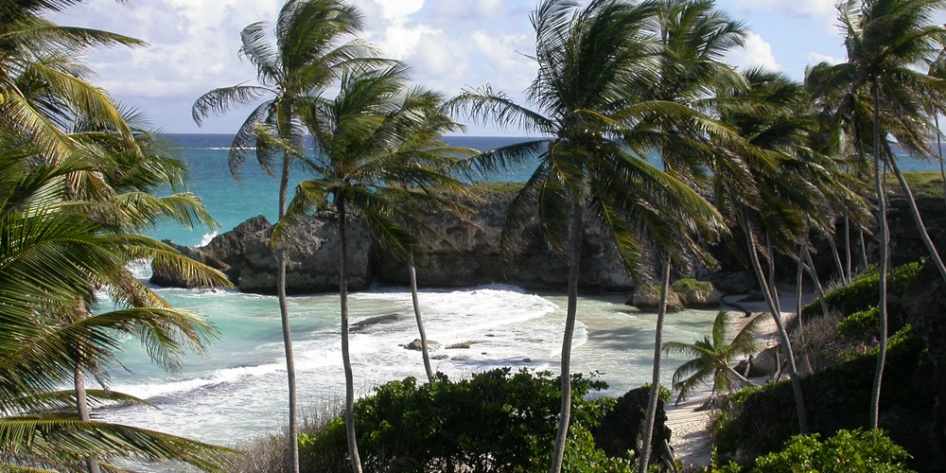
[755, 52]
[817, 58]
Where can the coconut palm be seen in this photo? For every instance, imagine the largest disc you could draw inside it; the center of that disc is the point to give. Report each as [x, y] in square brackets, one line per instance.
[42, 86]
[593, 62]
[886, 40]
[693, 38]
[377, 152]
[789, 184]
[51, 252]
[304, 62]
[712, 357]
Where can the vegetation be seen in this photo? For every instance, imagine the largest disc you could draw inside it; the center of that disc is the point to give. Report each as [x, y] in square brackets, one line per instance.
[845, 452]
[497, 420]
[616, 81]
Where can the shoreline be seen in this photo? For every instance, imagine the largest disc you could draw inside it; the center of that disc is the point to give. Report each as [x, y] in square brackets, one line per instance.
[691, 438]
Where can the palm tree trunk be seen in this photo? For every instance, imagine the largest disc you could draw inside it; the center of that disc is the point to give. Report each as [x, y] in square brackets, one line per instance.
[799, 305]
[918, 220]
[837, 259]
[884, 248]
[864, 262]
[939, 152]
[575, 238]
[810, 268]
[772, 301]
[82, 407]
[420, 320]
[292, 454]
[346, 357]
[848, 266]
[648, 433]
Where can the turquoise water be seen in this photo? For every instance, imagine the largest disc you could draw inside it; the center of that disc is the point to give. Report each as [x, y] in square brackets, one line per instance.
[237, 389]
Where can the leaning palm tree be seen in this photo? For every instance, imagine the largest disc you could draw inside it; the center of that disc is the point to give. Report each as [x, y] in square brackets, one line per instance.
[41, 81]
[377, 152]
[886, 41]
[51, 252]
[304, 62]
[693, 38]
[592, 66]
[712, 357]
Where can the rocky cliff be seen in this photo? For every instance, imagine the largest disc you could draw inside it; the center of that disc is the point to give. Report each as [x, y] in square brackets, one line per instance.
[468, 252]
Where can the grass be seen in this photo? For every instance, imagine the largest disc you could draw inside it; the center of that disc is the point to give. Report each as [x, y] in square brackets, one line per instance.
[923, 184]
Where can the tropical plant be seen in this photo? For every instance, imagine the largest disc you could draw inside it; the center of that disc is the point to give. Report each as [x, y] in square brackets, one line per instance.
[305, 61]
[377, 153]
[42, 86]
[592, 64]
[886, 40]
[693, 38]
[52, 254]
[712, 357]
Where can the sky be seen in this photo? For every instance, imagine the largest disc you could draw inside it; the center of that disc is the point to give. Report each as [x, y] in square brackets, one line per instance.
[449, 45]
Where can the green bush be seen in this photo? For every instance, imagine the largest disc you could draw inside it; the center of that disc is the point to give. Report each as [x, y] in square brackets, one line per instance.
[759, 421]
[496, 421]
[862, 294]
[681, 285]
[846, 452]
[860, 325]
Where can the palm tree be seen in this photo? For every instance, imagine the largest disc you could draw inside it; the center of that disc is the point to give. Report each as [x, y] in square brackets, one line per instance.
[885, 40]
[712, 357]
[693, 38]
[304, 62]
[51, 252]
[377, 152]
[41, 82]
[593, 63]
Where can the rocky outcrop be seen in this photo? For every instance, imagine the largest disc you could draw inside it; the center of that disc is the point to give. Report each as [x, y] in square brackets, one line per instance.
[468, 252]
[621, 429]
[463, 253]
[312, 250]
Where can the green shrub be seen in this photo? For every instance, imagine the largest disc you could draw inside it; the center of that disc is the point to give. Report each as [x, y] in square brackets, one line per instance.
[495, 421]
[863, 294]
[846, 452]
[759, 421]
[860, 325]
[682, 285]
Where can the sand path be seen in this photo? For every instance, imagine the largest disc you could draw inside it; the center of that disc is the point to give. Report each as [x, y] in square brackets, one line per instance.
[691, 439]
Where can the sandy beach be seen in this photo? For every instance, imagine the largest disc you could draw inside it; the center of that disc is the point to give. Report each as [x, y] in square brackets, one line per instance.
[691, 438]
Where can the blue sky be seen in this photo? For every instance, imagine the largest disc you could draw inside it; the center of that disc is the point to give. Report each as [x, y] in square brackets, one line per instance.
[449, 44]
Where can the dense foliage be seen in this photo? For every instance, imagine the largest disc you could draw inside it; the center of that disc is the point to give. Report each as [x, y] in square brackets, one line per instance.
[498, 420]
[846, 451]
[758, 421]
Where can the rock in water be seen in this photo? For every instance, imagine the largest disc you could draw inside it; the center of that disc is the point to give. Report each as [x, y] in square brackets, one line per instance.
[647, 299]
[416, 345]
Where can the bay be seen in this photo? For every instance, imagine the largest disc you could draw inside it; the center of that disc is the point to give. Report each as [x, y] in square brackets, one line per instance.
[237, 389]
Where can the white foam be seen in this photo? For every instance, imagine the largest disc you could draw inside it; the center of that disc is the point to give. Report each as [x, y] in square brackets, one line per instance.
[205, 240]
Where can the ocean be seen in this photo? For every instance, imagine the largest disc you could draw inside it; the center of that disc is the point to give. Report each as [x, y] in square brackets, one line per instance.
[236, 390]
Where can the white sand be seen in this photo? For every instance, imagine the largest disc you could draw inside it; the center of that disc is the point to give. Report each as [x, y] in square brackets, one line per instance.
[691, 438]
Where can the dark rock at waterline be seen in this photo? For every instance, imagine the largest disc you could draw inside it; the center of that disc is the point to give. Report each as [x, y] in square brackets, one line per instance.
[468, 253]
[364, 325]
[621, 430]
[647, 299]
[416, 345]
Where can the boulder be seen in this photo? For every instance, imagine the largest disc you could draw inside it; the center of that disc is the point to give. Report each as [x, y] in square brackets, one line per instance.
[737, 282]
[621, 430]
[647, 299]
[697, 294]
[416, 345]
